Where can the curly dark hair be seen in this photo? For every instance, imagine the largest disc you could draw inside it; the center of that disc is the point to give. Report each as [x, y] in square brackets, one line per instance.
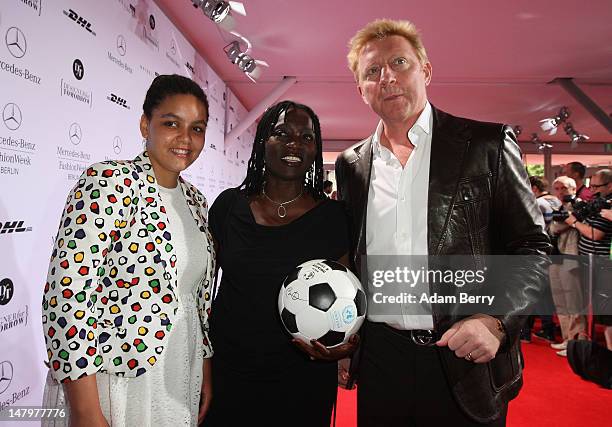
[253, 183]
[166, 85]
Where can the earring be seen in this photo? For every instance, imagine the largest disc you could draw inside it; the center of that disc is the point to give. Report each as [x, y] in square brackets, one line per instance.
[144, 143]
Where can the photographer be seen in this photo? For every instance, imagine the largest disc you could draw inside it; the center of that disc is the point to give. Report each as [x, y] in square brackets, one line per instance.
[607, 320]
[595, 230]
[547, 203]
[565, 276]
[596, 233]
[594, 223]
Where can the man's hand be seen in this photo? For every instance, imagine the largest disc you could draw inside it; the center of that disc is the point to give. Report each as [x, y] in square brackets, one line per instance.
[473, 338]
[318, 351]
[571, 219]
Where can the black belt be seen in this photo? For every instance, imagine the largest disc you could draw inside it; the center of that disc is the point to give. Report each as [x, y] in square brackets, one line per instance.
[423, 337]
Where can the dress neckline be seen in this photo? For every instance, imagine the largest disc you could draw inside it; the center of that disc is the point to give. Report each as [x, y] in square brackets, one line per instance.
[280, 226]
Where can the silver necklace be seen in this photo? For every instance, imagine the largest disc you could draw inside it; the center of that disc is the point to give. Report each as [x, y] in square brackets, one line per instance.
[281, 211]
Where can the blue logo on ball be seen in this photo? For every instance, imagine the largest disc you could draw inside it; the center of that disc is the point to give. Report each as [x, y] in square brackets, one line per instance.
[348, 314]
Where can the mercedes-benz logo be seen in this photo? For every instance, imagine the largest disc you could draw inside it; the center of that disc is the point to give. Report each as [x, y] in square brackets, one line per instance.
[117, 145]
[11, 115]
[6, 375]
[16, 42]
[75, 133]
[173, 47]
[121, 45]
[78, 69]
[152, 22]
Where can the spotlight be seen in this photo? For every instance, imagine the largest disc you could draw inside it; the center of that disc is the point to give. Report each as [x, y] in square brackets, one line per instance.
[216, 10]
[575, 136]
[550, 125]
[517, 130]
[535, 139]
[247, 64]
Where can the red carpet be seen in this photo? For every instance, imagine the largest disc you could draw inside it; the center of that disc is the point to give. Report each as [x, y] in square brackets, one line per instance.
[552, 395]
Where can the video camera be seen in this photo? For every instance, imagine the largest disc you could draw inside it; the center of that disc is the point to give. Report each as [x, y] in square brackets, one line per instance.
[581, 209]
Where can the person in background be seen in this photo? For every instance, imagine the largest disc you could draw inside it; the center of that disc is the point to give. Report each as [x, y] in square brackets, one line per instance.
[275, 220]
[577, 172]
[565, 280]
[606, 318]
[596, 231]
[547, 203]
[328, 188]
[125, 306]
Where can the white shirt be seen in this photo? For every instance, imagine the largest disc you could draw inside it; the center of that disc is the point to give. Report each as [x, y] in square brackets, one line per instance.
[396, 222]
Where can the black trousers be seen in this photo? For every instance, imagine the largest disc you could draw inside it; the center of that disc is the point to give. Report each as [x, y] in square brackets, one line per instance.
[403, 384]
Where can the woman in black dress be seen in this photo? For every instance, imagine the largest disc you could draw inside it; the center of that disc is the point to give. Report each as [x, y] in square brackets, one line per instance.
[275, 220]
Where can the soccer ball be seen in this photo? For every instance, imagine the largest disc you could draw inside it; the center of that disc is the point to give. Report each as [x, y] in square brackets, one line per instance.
[322, 300]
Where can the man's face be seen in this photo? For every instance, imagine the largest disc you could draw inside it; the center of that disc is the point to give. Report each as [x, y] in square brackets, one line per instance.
[392, 80]
[599, 185]
[569, 172]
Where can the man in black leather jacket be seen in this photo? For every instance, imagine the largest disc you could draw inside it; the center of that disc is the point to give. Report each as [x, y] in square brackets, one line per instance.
[446, 368]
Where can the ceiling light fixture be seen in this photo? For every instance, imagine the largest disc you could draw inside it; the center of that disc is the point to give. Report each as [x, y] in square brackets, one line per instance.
[216, 10]
[535, 139]
[244, 61]
[575, 136]
[247, 64]
[550, 125]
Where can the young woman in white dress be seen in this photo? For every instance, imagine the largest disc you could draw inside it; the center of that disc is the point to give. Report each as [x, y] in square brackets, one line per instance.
[127, 297]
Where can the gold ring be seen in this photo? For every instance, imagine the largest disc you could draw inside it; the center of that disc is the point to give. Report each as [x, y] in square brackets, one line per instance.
[469, 357]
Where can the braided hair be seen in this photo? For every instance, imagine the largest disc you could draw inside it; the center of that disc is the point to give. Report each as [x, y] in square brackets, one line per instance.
[253, 183]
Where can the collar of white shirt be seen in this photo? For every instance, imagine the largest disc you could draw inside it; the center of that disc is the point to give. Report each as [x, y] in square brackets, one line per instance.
[423, 124]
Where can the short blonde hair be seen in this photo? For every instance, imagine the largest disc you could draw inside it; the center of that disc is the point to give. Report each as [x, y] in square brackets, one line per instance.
[570, 183]
[380, 29]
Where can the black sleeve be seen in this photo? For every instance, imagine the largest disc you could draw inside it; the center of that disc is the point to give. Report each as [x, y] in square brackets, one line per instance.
[218, 212]
[341, 227]
[520, 233]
